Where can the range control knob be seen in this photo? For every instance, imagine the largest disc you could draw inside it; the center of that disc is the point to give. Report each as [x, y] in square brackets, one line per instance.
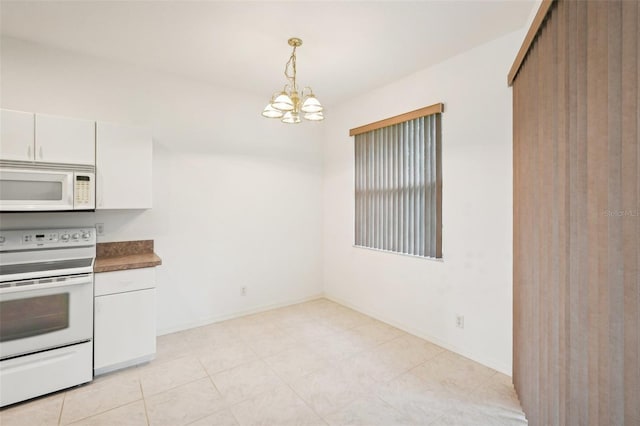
[86, 235]
[1, 239]
[64, 237]
[76, 236]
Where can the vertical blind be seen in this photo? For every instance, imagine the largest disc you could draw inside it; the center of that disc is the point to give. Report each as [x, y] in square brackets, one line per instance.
[398, 188]
[576, 281]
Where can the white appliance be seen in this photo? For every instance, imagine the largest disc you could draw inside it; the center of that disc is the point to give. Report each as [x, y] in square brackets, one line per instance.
[27, 186]
[46, 311]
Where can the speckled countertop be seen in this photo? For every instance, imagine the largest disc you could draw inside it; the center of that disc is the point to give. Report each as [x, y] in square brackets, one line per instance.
[123, 255]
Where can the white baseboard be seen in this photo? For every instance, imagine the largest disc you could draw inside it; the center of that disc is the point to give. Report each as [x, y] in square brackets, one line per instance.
[491, 363]
[237, 314]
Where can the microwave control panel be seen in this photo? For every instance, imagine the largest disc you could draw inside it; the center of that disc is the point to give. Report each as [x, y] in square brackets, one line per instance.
[83, 190]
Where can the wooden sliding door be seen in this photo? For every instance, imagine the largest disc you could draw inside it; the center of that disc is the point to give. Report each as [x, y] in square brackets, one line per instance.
[577, 215]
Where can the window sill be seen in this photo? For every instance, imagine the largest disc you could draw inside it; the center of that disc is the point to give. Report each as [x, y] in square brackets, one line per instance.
[433, 259]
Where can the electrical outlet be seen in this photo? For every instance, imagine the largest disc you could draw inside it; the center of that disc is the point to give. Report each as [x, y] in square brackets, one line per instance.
[460, 321]
[100, 228]
[243, 291]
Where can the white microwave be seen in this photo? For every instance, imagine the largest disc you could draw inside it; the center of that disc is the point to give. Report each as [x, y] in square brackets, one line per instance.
[29, 187]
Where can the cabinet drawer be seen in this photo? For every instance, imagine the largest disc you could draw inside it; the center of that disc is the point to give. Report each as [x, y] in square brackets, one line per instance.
[123, 281]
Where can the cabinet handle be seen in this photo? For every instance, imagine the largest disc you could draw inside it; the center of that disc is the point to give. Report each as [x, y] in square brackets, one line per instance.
[41, 153]
[29, 152]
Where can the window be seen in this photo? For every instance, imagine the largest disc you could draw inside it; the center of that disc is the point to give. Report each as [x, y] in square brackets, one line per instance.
[398, 184]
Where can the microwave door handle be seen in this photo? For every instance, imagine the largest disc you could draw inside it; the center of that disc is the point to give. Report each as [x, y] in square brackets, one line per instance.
[70, 189]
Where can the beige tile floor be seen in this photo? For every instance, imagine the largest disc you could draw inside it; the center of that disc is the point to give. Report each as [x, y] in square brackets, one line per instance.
[314, 363]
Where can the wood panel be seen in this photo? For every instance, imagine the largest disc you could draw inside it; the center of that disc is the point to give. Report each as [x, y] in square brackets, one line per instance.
[541, 14]
[397, 119]
[577, 217]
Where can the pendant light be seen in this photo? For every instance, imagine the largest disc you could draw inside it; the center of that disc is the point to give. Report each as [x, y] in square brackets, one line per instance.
[289, 105]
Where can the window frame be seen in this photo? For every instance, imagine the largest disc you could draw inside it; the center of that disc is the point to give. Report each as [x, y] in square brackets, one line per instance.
[430, 231]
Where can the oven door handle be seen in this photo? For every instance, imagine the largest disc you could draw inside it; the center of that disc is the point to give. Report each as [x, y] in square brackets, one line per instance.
[8, 288]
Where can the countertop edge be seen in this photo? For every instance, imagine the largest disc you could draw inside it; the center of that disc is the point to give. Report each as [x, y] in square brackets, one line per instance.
[123, 263]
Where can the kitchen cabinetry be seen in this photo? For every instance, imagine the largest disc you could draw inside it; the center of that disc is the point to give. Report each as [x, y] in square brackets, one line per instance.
[124, 167]
[65, 140]
[125, 319]
[17, 135]
[46, 138]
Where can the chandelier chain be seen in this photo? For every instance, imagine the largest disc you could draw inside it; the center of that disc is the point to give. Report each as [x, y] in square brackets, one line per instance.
[291, 64]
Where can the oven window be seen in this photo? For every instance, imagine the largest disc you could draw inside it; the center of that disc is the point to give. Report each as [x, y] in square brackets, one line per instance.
[33, 316]
[30, 190]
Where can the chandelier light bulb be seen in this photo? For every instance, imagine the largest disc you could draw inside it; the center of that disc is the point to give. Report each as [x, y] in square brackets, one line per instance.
[270, 112]
[314, 116]
[283, 102]
[311, 104]
[291, 117]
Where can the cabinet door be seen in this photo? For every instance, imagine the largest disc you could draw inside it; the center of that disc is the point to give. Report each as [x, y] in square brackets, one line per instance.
[65, 140]
[125, 329]
[16, 135]
[123, 167]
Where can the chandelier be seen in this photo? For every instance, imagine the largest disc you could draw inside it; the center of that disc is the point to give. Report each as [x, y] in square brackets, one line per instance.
[288, 104]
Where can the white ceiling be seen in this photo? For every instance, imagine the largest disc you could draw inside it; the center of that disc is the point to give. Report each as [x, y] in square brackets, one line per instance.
[349, 47]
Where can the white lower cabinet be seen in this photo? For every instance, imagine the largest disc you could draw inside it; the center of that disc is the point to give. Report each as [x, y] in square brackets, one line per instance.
[125, 319]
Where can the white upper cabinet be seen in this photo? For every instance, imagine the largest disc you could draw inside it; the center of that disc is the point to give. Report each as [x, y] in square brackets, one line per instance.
[65, 140]
[123, 167]
[25, 136]
[16, 135]
[122, 154]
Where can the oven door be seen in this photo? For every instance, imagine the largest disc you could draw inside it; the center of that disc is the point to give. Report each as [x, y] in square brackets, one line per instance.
[45, 313]
[34, 190]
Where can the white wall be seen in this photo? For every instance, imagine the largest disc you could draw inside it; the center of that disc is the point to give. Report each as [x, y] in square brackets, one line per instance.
[474, 278]
[237, 198]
